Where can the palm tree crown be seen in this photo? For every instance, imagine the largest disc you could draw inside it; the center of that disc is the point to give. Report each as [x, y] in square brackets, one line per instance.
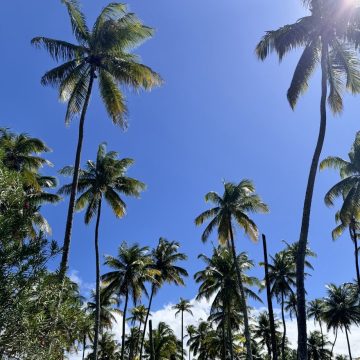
[103, 52]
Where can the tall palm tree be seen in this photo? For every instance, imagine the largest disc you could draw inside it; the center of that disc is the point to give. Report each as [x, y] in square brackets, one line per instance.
[131, 269]
[197, 339]
[262, 331]
[349, 189]
[165, 257]
[138, 314]
[218, 281]
[282, 278]
[341, 309]
[232, 208]
[104, 178]
[326, 36]
[315, 310]
[102, 53]
[316, 347]
[183, 306]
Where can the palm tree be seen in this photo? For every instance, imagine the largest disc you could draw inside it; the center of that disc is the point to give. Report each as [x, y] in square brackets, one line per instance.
[131, 269]
[104, 178]
[327, 36]
[108, 348]
[165, 257]
[347, 188]
[315, 310]
[165, 344]
[138, 314]
[102, 53]
[262, 331]
[20, 153]
[341, 309]
[197, 339]
[316, 347]
[282, 278]
[230, 209]
[291, 305]
[218, 280]
[181, 307]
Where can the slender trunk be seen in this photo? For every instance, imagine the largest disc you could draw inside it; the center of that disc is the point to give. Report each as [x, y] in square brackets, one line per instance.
[242, 296]
[333, 345]
[230, 337]
[300, 260]
[182, 334]
[224, 333]
[284, 327]
[97, 291]
[146, 320]
[269, 301]
[84, 346]
[322, 336]
[353, 236]
[348, 342]
[74, 185]
[151, 341]
[123, 326]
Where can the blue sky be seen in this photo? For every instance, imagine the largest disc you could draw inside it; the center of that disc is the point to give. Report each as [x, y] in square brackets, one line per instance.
[221, 114]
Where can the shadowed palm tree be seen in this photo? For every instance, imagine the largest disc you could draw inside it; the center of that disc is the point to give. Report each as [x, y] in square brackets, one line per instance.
[20, 153]
[109, 348]
[132, 268]
[232, 208]
[197, 339]
[102, 53]
[181, 307]
[327, 37]
[282, 279]
[315, 310]
[262, 331]
[165, 257]
[341, 309]
[104, 178]
[348, 188]
[218, 280]
[316, 347]
[138, 314]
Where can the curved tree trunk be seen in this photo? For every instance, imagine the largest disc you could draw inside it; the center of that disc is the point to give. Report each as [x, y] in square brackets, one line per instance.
[123, 326]
[146, 320]
[300, 260]
[97, 291]
[333, 345]
[269, 301]
[242, 296]
[74, 185]
[348, 342]
[284, 327]
[353, 236]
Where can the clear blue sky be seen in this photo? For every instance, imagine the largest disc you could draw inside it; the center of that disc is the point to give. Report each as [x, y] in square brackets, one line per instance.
[221, 114]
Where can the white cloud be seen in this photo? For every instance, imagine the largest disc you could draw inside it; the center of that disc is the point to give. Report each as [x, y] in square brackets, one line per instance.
[85, 287]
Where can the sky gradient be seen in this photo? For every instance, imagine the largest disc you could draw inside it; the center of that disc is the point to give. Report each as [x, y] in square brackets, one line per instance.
[221, 114]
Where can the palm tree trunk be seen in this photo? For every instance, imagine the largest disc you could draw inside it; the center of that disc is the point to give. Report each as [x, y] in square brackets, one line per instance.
[300, 260]
[84, 346]
[242, 296]
[284, 327]
[269, 301]
[230, 337]
[353, 236]
[223, 334]
[322, 336]
[97, 291]
[146, 320]
[348, 342]
[74, 184]
[333, 345]
[182, 334]
[123, 326]
[152, 357]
